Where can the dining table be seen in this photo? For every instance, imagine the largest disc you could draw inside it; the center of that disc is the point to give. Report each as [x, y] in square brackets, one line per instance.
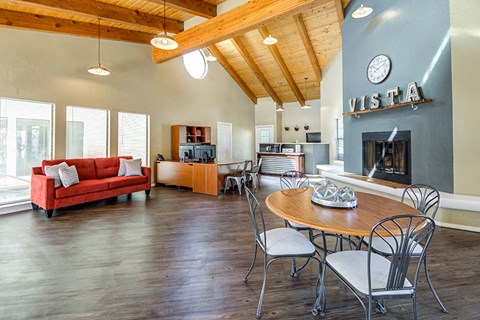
[296, 205]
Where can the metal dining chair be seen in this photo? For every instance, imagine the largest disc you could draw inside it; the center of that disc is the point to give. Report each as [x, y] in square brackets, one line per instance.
[238, 178]
[254, 173]
[279, 243]
[372, 276]
[289, 180]
[425, 199]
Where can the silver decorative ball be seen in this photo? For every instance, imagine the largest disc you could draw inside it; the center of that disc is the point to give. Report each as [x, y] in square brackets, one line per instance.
[326, 190]
[346, 194]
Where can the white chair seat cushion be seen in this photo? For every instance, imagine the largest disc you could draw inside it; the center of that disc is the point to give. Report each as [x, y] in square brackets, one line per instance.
[382, 245]
[352, 266]
[287, 242]
[297, 225]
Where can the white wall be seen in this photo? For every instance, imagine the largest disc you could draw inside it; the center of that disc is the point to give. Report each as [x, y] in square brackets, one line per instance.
[295, 116]
[465, 35]
[332, 105]
[53, 68]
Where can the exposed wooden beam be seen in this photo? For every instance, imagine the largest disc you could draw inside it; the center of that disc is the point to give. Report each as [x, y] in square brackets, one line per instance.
[307, 43]
[283, 66]
[235, 22]
[224, 62]
[242, 50]
[195, 7]
[105, 11]
[30, 21]
[340, 14]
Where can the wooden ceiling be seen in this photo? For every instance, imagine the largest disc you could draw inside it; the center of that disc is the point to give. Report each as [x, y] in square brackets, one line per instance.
[308, 33]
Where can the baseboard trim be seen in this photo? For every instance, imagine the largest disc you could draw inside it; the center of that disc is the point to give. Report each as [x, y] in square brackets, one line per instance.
[457, 226]
[16, 207]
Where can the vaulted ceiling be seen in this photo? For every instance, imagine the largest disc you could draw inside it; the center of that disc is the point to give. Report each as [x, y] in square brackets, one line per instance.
[308, 33]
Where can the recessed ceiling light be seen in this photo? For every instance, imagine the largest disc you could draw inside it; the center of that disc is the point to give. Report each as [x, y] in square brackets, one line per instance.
[362, 12]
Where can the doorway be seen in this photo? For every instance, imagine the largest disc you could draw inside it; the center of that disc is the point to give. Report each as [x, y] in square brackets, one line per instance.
[224, 141]
[263, 134]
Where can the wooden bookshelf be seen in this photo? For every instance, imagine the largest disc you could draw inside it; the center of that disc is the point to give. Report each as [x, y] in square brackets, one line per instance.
[182, 134]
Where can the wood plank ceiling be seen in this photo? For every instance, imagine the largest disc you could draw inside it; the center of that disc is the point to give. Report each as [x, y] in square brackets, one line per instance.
[308, 33]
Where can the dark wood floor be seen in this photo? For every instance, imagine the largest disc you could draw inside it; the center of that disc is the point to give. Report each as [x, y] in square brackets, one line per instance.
[180, 255]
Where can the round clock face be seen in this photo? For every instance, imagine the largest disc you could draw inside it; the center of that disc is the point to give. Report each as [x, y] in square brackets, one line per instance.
[379, 68]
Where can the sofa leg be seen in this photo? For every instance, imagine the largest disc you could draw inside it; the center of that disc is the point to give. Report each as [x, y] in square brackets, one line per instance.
[129, 196]
[34, 206]
[49, 213]
[147, 192]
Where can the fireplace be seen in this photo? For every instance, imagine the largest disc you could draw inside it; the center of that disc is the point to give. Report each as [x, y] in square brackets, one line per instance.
[386, 155]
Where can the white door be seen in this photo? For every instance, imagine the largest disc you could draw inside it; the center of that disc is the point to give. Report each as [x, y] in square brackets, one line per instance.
[224, 141]
[263, 134]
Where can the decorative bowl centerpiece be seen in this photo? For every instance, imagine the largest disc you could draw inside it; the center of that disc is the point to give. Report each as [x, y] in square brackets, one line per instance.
[327, 194]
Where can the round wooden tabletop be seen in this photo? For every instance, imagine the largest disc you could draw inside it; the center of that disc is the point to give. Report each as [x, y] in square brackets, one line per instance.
[296, 205]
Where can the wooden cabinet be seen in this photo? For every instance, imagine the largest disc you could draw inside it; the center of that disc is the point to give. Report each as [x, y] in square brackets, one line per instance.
[182, 134]
[174, 173]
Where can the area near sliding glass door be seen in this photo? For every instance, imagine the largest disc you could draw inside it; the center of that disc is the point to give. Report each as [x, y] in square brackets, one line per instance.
[26, 135]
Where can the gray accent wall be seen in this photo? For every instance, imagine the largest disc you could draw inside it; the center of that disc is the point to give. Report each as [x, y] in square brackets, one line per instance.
[416, 36]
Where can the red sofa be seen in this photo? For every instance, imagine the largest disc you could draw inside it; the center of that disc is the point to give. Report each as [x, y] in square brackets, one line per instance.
[98, 180]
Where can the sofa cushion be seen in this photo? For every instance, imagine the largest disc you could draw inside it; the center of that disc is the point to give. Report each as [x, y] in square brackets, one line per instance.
[85, 186]
[68, 176]
[52, 171]
[85, 167]
[119, 182]
[106, 167]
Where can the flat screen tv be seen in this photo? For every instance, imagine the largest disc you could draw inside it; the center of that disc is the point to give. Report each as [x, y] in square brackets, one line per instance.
[205, 152]
[186, 153]
[314, 137]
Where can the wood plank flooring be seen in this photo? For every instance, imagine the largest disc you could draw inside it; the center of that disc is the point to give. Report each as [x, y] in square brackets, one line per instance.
[180, 255]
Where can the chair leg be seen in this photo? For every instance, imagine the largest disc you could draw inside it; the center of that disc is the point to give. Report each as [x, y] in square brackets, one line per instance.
[294, 272]
[415, 313]
[227, 181]
[239, 185]
[260, 302]
[442, 307]
[253, 263]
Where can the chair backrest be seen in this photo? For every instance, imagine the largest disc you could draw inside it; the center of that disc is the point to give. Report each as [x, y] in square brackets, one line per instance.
[241, 169]
[424, 198]
[402, 234]
[257, 218]
[257, 166]
[293, 179]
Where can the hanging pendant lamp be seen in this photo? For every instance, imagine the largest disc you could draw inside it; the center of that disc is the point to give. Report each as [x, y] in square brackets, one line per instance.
[99, 70]
[269, 40]
[305, 105]
[163, 40]
[362, 12]
[280, 107]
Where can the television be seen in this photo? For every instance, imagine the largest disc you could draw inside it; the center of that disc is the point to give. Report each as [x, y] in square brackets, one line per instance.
[314, 137]
[186, 153]
[205, 152]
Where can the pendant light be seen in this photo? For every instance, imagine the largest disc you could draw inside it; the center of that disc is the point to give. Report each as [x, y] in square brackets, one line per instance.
[305, 105]
[163, 40]
[362, 12]
[279, 107]
[209, 57]
[99, 70]
[269, 40]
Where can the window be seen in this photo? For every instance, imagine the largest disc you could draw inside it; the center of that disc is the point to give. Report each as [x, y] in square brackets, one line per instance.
[26, 130]
[133, 136]
[196, 64]
[87, 132]
[339, 139]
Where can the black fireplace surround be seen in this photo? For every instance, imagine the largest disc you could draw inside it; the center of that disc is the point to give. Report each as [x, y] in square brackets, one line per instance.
[387, 159]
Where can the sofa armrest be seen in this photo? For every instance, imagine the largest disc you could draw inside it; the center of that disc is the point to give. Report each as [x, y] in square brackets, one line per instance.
[42, 190]
[147, 171]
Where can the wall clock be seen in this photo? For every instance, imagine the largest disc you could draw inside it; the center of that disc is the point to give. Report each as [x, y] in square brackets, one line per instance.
[379, 68]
